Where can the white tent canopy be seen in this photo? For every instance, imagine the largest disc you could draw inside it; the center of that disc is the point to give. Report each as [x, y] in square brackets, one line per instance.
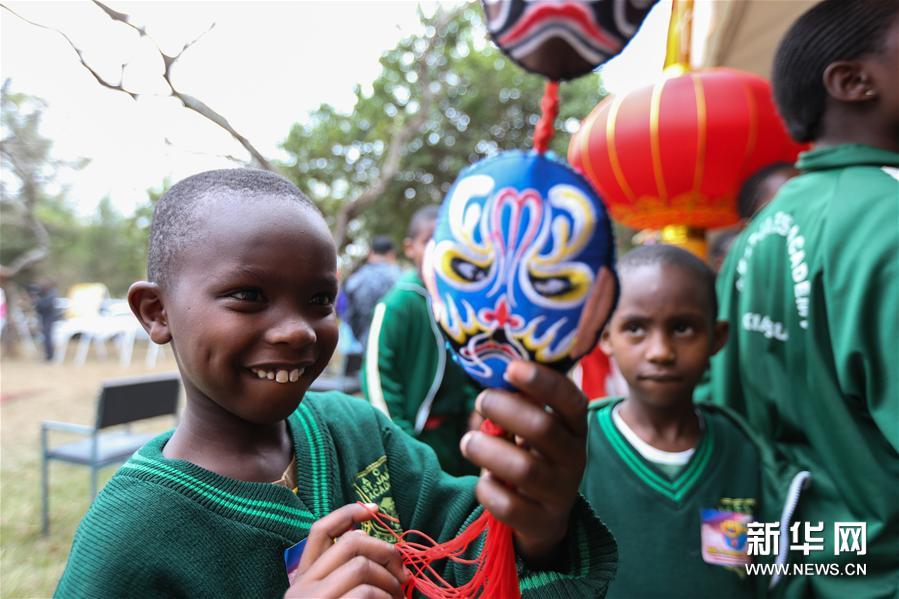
[744, 34]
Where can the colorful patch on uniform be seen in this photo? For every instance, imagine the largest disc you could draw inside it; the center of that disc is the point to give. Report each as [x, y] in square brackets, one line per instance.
[724, 538]
[292, 557]
[372, 485]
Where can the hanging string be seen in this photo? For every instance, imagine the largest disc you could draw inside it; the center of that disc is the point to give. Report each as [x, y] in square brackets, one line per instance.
[495, 572]
[549, 110]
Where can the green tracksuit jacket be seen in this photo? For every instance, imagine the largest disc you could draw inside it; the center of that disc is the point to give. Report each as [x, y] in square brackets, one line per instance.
[168, 528]
[410, 376]
[811, 292]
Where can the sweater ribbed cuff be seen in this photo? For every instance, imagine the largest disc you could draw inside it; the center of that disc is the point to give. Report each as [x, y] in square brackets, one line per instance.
[592, 560]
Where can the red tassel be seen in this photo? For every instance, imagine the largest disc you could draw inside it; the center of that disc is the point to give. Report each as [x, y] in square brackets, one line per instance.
[496, 574]
[549, 110]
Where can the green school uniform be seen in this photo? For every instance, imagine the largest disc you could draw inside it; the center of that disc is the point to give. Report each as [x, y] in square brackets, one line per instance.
[659, 522]
[811, 292]
[410, 376]
[168, 528]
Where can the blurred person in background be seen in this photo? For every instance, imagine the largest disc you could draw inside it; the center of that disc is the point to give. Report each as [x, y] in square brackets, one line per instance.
[761, 187]
[44, 296]
[409, 374]
[365, 287]
[756, 192]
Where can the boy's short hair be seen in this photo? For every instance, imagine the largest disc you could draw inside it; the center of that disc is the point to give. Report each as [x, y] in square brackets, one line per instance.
[178, 212]
[830, 31]
[749, 198]
[382, 244]
[669, 255]
[422, 216]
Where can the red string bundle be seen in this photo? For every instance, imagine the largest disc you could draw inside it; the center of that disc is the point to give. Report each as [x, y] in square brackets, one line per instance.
[496, 575]
[549, 110]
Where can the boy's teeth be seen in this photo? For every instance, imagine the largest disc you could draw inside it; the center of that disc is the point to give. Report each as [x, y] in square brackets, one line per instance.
[281, 375]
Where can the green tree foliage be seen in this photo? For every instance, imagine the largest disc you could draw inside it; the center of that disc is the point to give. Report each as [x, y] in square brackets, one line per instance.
[28, 171]
[35, 215]
[108, 248]
[481, 104]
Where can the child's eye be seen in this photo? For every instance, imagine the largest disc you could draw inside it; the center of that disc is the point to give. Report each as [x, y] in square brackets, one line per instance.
[247, 295]
[633, 328]
[683, 329]
[323, 299]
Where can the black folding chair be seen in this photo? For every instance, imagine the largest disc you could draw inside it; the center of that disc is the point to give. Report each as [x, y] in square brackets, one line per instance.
[121, 402]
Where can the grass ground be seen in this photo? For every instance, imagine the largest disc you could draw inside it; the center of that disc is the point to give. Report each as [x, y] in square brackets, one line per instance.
[30, 564]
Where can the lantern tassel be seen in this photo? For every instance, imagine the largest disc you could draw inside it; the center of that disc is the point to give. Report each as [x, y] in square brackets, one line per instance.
[496, 574]
[549, 110]
[680, 38]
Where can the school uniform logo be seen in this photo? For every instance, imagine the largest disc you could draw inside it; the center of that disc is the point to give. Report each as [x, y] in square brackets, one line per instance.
[372, 485]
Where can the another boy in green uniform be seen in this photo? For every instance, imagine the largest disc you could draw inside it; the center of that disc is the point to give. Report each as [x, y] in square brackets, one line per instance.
[409, 374]
[242, 273]
[811, 292]
[676, 482]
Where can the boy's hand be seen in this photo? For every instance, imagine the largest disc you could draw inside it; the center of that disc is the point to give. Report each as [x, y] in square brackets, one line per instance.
[340, 562]
[532, 484]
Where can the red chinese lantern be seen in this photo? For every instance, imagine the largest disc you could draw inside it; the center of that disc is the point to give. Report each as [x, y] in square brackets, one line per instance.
[676, 153]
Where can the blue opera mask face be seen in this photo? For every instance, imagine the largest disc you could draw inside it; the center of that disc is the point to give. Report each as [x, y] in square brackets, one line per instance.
[520, 266]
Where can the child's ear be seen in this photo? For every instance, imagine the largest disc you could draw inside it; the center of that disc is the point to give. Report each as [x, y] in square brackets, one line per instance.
[847, 81]
[605, 344]
[145, 300]
[721, 331]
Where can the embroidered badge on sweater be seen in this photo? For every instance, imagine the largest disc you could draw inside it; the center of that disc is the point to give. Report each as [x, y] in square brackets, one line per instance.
[724, 537]
[372, 485]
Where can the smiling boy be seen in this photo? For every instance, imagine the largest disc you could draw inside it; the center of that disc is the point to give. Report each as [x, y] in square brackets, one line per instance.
[677, 482]
[242, 280]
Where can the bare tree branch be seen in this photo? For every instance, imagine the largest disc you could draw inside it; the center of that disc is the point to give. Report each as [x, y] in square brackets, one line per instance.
[122, 17]
[21, 145]
[23, 261]
[41, 237]
[230, 157]
[187, 100]
[398, 140]
[100, 79]
[168, 61]
[188, 44]
[201, 108]
[404, 130]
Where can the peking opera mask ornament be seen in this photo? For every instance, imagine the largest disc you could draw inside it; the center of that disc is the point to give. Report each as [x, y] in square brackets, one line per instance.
[520, 265]
[563, 39]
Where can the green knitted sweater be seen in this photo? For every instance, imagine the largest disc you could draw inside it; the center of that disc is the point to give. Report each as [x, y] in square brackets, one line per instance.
[658, 520]
[169, 528]
[410, 375]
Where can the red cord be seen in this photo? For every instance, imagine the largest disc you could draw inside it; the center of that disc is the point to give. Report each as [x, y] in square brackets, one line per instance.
[549, 110]
[496, 574]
